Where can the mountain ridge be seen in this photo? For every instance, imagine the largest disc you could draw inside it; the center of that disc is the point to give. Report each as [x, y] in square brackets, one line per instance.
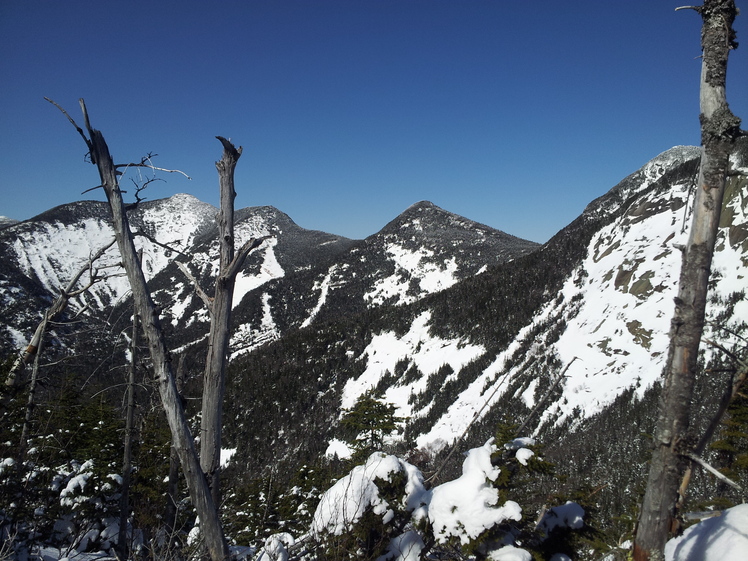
[179, 226]
[459, 326]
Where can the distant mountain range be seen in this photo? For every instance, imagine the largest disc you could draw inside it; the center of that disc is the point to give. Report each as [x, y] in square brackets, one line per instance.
[459, 325]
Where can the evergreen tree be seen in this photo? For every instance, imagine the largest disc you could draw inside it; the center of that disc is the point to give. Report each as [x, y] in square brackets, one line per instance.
[367, 424]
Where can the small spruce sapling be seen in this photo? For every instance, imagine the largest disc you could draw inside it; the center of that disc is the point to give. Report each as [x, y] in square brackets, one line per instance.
[367, 424]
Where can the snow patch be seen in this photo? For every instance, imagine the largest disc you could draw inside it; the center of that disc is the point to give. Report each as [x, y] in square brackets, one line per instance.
[722, 538]
[426, 352]
[269, 270]
[432, 276]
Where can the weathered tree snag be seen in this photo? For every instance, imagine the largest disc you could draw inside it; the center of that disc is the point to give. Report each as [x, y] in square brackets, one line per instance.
[210, 524]
[124, 505]
[214, 381]
[172, 488]
[719, 130]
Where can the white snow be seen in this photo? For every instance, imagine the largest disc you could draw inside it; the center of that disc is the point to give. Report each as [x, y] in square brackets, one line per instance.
[466, 507]
[405, 547]
[521, 442]
[276, 546]
[524, 454]
[324, 287]
[345, 503]
[510, 553]
[337, 447]
[269, 270]
[226, 455]
[18, 338]
[428, 353]
[569, 515]
[434, 276]
[721, 538]
[246, 337]
[179, 307]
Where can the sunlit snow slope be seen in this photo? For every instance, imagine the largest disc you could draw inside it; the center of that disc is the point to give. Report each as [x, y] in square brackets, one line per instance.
[604, 332]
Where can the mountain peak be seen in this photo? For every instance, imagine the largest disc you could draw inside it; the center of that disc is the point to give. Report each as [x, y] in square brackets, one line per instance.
[433, 222]
[680, 161]
[435, 217]
[422, 205]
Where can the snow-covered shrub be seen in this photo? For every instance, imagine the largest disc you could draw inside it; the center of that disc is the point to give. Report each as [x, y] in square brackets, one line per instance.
[464, 509]
[383, 510]
[87, 506]
[365, 513]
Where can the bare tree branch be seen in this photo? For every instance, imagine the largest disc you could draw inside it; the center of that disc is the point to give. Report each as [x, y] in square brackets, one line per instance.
[158, 243]
[53, 312]
[151, 166]
[207, 300]
[80, 130]
[713, 471]
[236, 264]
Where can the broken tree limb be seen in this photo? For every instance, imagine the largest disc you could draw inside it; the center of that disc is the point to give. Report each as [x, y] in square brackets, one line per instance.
[236, 264]
[713, 471]
[54, 312]
[207, 300]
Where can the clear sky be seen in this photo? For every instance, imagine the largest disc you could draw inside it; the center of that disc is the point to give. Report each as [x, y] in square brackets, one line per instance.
[513, 113]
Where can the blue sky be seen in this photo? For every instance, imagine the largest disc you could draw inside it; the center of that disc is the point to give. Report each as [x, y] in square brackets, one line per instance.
[515, 114]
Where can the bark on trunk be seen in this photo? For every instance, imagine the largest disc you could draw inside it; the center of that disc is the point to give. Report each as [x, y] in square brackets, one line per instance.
[122, 541]
[719, 131]
[172, 489]
[214, 380]
[210, 525]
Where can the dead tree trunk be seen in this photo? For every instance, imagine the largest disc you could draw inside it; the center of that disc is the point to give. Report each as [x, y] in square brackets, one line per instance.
[218, 341]
[172, 488]
[210, 524]
[214, 380]
[123, 542]
[720, 128]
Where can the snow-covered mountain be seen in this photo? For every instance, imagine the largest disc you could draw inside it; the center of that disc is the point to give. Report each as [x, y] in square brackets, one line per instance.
[296, 277]
[5, 222]
[39, 256]
[560, 335]
[459, 325]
